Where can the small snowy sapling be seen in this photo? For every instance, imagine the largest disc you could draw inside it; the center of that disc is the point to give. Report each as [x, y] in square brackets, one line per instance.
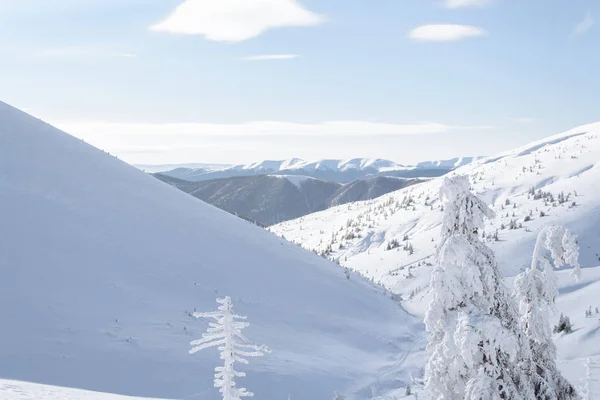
[226, 334]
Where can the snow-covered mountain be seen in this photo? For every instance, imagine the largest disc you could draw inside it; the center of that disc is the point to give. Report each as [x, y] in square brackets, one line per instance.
[393, 239]
[270, 199]
[557, 177]
[198, 167]
[453, 163]
[101, 266]
[343, 171]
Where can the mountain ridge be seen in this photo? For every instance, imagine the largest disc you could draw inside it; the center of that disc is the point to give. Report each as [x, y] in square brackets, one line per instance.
[270, 199]
[343, 171]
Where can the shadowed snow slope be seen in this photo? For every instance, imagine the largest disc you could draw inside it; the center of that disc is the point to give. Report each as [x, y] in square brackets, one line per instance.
[101, 265]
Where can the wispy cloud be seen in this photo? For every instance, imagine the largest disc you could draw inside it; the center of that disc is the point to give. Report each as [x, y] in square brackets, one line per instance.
[271, 57]
[466, 3]
[145, 143]
[257, 128]
[86, 52]
[585, 25]
[445, 32]
[235, 20]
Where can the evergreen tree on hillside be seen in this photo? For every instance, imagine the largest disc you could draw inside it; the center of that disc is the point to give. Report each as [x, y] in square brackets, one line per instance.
[536, 291]
[337, 396]
[476, 348]
[226, 333]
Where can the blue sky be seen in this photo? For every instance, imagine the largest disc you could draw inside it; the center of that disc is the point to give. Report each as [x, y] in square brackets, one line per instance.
[154, 83]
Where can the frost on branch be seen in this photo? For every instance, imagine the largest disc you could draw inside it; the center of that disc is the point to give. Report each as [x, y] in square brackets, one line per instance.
[536, 291]
[476, 348]
[586, 390]
[226, 334]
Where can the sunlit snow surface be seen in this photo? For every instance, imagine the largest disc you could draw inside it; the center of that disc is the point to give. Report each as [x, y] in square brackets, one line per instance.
[358, 234]
[16, 390]
[102, 265]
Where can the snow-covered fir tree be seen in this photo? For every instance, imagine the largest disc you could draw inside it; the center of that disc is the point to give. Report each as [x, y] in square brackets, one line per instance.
[476, 348]
[226, 334]
[536, 290]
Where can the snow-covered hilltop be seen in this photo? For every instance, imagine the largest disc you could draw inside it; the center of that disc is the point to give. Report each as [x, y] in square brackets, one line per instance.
[335, 170]
[102, 267]
[452, 163]
[393, 239]
[552, 180]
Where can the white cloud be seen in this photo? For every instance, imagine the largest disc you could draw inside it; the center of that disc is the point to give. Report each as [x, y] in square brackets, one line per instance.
[264, 57]
[445, 32]
[466, 3]
[235, 20]
[584, 25]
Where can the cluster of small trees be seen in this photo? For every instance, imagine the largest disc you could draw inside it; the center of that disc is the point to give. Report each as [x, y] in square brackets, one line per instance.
[392, 244]
[395, 244]
[484, 342]
[564, 325]
[589, 313]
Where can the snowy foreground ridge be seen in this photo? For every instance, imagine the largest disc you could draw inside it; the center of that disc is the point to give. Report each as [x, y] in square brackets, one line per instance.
[16, 390]
[103, 266]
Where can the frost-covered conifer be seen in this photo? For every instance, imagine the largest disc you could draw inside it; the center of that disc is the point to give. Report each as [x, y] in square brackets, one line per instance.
[476, 347]
[226, 333]
[536, 290]
[586, 390]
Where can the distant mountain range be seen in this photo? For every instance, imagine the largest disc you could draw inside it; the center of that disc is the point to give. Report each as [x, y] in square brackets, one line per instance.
[270, 199]
[153, 168]
[342, 171]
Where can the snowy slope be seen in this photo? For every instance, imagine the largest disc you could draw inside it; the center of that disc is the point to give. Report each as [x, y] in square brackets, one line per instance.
[17, 390]
[101, 266]
[375, 237]
[296, 180]
[567, 163]
[451, 163]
